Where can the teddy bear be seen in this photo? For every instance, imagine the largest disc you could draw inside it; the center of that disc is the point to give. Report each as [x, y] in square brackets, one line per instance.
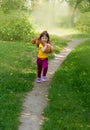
[49, 48]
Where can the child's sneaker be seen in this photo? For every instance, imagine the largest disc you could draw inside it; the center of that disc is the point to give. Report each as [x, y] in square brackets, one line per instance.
[44, 78]
[38, 80]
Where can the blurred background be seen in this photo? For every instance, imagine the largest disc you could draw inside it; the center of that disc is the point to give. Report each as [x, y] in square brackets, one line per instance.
[57, 16]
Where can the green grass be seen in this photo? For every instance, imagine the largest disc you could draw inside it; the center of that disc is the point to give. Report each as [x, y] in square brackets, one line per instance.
[79, 35]
[69, 93]
[17, 73]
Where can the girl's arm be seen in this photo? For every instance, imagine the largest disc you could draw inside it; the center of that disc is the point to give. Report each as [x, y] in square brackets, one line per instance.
[44, 48]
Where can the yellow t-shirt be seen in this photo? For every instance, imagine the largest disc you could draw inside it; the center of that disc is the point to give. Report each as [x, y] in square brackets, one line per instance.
[42, 54]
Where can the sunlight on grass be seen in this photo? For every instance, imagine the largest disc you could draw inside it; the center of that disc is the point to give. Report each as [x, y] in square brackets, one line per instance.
[69, 93]
[17, 74]
[60, 31]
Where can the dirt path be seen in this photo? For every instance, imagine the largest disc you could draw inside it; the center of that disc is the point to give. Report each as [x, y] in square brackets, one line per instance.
[36, 100]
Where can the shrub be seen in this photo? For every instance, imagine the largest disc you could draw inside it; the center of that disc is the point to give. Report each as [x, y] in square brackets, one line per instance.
[83, 22]
[17, 29]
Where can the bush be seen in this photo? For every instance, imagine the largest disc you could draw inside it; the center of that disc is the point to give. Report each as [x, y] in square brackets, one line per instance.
[83, 22]
[17, 29]
[64, 21]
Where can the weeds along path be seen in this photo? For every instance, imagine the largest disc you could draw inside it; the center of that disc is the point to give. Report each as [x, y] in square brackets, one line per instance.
[31, 116]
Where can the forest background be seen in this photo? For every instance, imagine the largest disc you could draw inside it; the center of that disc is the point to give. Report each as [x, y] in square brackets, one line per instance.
[20, 19]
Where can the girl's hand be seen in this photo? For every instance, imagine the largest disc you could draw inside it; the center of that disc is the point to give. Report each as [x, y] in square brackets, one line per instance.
[48, 48]
[45, 46]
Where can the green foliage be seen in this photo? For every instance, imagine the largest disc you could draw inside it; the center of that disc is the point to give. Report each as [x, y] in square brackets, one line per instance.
[69, 93]
[17, 74]
[83, 22]
[79, 35]
[84, 6]
[58, 43]
[17, 29]
[76, 3]
[62, 22]
[8, 5]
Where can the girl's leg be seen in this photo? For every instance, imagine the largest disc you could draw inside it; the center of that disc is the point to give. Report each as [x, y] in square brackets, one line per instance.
[39, 67]
[45, 66]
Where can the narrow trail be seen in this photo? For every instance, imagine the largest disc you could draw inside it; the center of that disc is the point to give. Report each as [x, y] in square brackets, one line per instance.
[36, 100]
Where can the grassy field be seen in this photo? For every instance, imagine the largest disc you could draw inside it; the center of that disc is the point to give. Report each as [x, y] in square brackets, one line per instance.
[17, 73]
[79, 35]
[69, 93]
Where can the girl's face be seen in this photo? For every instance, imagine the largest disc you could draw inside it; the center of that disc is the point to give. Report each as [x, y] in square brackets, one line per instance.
[44, 39]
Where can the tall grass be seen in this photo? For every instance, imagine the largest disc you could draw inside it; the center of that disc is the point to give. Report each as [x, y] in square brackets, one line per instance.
[69, 93]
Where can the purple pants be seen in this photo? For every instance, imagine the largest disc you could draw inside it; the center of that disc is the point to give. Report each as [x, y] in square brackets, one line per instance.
[42, 66]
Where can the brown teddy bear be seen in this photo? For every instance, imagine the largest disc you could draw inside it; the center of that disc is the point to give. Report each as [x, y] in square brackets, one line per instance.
[49, 48]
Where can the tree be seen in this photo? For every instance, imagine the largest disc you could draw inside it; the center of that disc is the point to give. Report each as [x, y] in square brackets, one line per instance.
[75, 4]
[84, 7]
[7, 5]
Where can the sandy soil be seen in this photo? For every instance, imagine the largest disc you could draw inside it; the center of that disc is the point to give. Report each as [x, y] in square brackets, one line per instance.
[31, 116]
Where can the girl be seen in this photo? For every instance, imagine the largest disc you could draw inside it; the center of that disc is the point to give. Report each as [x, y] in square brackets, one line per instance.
[42, 59]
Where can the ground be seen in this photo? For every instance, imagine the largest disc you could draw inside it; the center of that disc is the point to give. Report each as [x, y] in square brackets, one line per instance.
[31, 116]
